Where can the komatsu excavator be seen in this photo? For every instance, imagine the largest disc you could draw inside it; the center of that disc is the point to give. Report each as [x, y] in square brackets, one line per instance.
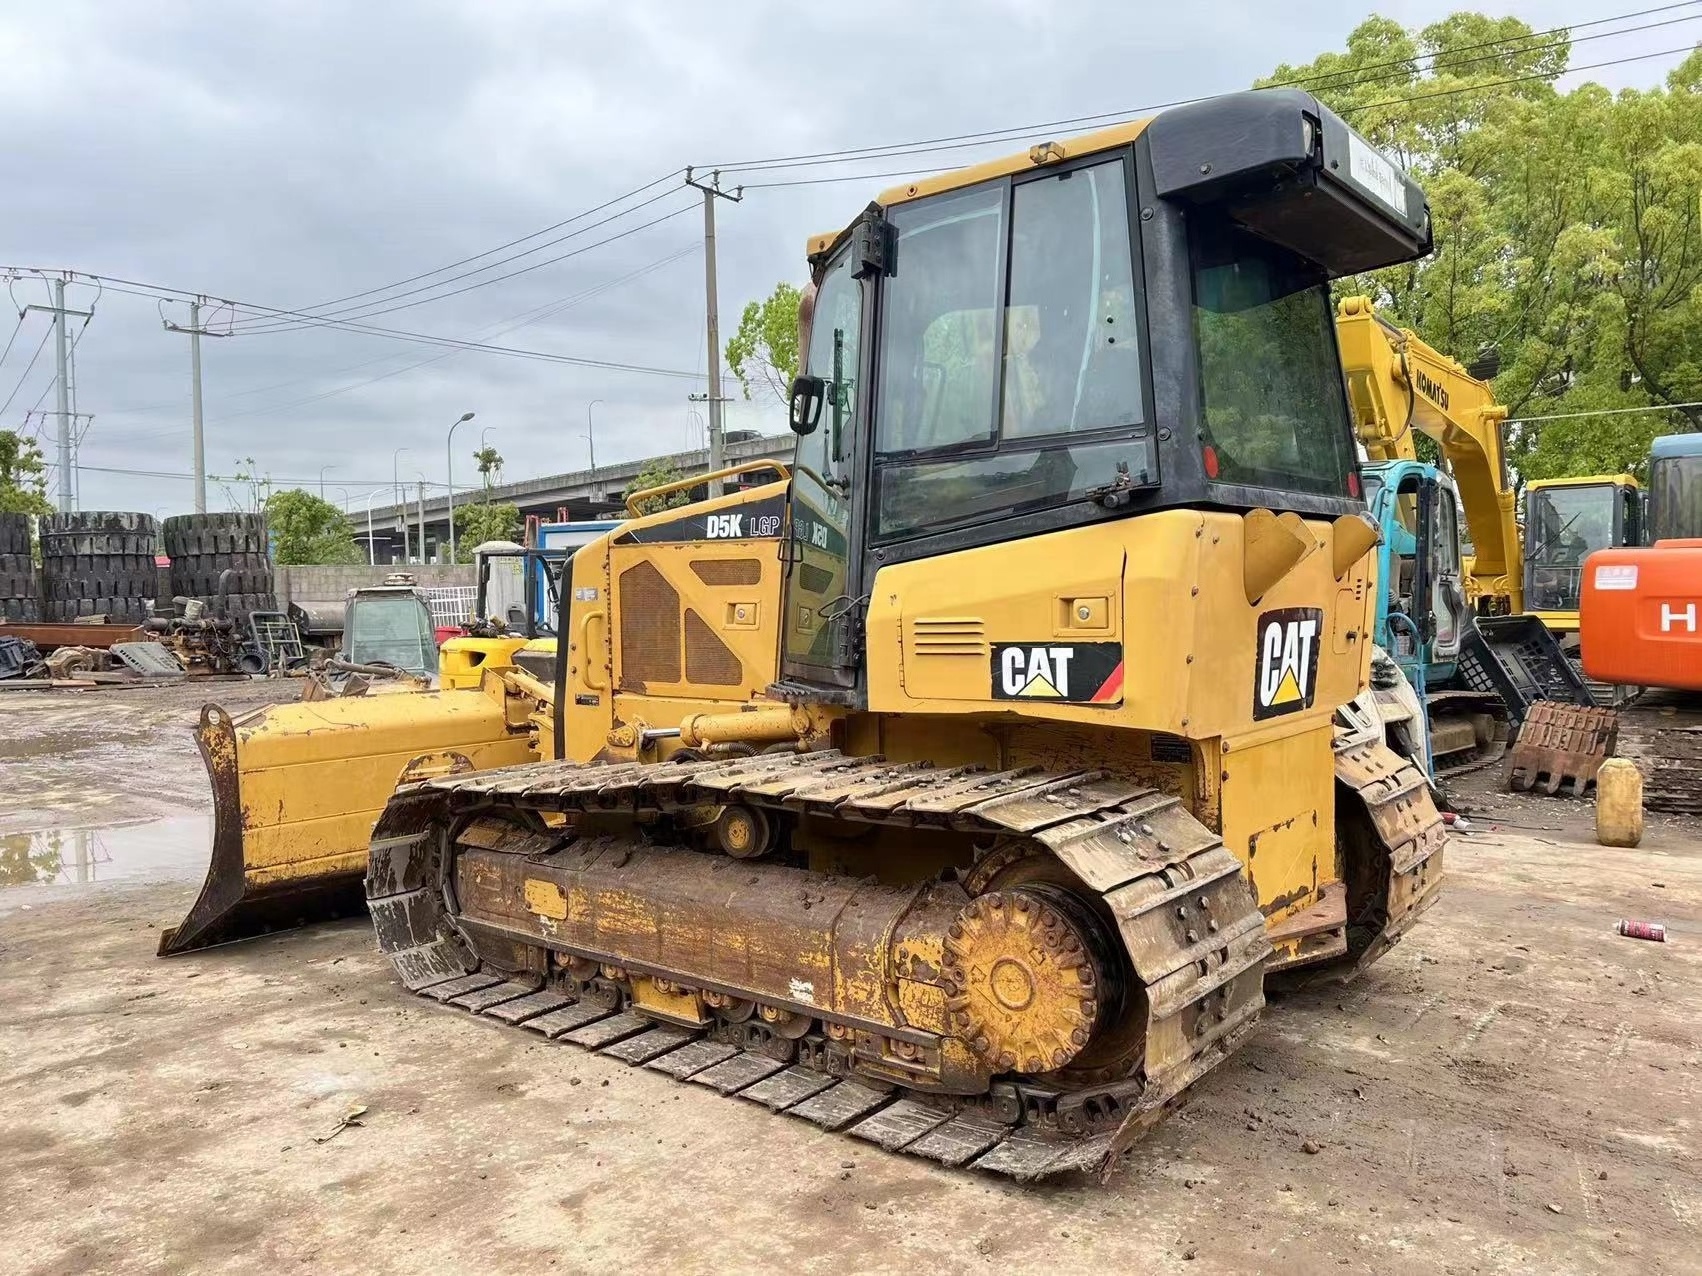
[960, 787]
[1458, 629]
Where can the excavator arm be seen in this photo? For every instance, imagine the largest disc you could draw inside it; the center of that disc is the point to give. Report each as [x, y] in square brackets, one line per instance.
[1398, 386]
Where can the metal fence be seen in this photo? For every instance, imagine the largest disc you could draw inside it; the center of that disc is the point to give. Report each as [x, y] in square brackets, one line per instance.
[450, 604]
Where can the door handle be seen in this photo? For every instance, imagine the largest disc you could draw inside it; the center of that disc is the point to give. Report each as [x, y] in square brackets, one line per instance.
[593, 664]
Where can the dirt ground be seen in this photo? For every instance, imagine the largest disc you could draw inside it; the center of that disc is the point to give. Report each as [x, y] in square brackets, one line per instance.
[1513, 1087]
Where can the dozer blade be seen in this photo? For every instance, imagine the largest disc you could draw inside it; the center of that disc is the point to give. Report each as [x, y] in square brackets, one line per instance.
[297, 789]
[1561, 744]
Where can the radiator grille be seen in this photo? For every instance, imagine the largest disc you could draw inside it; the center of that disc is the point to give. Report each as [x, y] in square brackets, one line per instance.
[727, 571]
[709, 661]
[650, 628]
[949, 636]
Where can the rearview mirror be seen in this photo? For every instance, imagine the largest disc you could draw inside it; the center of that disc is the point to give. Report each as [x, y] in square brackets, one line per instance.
[807, 395]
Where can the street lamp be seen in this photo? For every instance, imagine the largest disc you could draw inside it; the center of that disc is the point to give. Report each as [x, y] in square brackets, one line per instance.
[590, 439]
[449, 459]
[401, 501]
[371, 553]
[322, 470]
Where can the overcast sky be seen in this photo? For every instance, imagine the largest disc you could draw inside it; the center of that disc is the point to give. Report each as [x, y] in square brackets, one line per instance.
[289, 154]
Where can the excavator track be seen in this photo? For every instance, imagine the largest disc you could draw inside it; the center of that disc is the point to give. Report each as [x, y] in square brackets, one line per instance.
[1193, 942]
[1661, 732]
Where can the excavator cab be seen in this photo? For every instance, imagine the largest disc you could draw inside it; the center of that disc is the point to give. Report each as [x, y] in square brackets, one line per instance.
[1567, 520]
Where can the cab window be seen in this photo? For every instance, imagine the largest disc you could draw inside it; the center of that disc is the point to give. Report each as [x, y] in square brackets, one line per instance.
[1010, 351]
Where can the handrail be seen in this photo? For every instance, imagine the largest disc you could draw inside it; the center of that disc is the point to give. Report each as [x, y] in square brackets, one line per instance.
[744, 467]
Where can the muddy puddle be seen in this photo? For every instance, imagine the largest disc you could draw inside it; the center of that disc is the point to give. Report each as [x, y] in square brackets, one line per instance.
[175, 847]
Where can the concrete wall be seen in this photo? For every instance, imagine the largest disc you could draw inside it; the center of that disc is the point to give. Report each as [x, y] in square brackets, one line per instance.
[321, 590]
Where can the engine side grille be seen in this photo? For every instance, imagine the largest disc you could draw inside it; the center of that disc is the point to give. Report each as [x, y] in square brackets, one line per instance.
[727, 571]
[650, 628]
[709, 661]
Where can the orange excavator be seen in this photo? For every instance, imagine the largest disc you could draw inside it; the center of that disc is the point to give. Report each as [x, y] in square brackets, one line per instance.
[1641, 625]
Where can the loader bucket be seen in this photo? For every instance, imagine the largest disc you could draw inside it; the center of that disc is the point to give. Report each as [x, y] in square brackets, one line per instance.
[298, 787]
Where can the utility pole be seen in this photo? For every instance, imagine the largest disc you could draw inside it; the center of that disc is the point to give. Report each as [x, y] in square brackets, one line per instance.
[711, 192]
[62, 400]
[401, 495]
[422, 521]
[195, 332]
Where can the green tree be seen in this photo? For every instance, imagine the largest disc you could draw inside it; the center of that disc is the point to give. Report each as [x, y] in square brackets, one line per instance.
[659, 472]
[1566, 225]
[309, 530]
[476, 524]
[764, 351]
[490, 465]
[23, 476]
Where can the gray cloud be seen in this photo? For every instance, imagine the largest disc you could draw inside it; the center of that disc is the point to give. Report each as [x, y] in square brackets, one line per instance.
[292, 153]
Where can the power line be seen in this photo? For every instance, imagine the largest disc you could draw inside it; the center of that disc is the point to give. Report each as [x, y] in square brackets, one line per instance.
[136, 288]
[501, 247]
[525, 318]
[42, 345]
[1571, 416]
[384, 307]
[1346, 79]
[15, 331]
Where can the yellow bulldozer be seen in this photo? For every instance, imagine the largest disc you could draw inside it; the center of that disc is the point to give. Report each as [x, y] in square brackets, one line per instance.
[961, 787]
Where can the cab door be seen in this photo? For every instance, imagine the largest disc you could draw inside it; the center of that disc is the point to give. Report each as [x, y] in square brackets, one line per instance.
[822, 619]
[1448, 603]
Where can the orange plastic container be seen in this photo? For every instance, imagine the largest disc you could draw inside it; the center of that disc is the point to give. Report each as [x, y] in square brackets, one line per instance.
[1640, 615]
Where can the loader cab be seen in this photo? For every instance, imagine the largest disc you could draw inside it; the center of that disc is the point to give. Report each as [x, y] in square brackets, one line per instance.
[1567, 520]
[389, 625]
[1137, 324]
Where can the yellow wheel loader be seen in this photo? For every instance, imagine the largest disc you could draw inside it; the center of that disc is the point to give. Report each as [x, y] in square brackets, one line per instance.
[960, 788]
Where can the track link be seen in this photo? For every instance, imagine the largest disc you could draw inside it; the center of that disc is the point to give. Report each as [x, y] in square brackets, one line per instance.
[1192, 933]
[1399, 854]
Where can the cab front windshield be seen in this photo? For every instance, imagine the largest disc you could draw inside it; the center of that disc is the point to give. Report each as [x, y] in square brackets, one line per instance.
[1563, 527]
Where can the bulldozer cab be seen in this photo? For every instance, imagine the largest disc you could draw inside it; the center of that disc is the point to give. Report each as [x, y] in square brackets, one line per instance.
[1139, 324]
[1567, 520]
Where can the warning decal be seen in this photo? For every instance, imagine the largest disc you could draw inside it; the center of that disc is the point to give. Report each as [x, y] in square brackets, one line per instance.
[1076, 672]
[1286, 676]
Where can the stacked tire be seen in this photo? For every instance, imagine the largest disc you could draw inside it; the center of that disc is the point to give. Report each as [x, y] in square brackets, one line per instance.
[20, 587]
[202, 547]
[98, 563]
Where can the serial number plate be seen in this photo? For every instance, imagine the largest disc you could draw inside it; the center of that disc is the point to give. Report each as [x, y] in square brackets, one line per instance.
[1367, 166]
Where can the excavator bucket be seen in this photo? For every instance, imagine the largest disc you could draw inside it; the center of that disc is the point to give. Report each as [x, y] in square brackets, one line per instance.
[298, 787]
[1561, 744]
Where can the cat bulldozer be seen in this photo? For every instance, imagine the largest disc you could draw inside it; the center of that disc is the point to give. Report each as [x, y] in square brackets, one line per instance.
[960, 787]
